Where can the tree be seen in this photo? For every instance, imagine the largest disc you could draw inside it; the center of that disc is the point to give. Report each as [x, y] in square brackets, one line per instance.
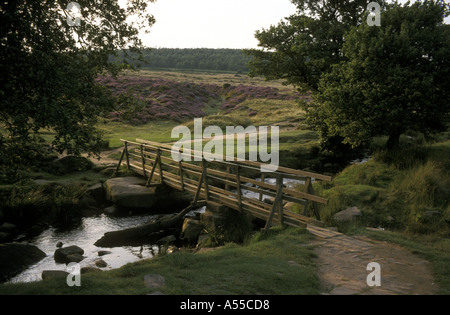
[49, 62]
[306, 45]
[394, 78]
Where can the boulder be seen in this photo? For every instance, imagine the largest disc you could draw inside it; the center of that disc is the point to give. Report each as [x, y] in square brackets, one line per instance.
[61, 254]
[129, 194]
[97, 192]
[191, 230]
[103, 252]
[76, 258]
[54, 274]
[203, 239]
[111, 211]
[348, 215]
[5, 237]
[215, 215]
[166, 240]
[16, 257]
[101, 263]
[70, 164]
[8, 227]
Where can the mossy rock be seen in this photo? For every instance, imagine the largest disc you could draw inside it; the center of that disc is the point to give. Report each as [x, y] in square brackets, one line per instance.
[70, 164]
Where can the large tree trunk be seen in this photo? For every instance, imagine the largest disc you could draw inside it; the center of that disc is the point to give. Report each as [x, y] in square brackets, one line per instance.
[393, 141]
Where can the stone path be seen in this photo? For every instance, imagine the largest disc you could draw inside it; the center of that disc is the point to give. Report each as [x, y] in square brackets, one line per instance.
[343, 260]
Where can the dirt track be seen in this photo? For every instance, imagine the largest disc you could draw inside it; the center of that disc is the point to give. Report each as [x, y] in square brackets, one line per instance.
[342, 263]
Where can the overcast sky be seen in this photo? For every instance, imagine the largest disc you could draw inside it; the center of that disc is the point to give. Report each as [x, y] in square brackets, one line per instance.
[214, 23]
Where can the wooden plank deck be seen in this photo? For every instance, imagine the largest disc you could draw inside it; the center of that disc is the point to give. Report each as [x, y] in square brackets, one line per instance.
[211, 181]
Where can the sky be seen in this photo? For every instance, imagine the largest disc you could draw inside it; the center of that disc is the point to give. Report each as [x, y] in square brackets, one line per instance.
[214, 23]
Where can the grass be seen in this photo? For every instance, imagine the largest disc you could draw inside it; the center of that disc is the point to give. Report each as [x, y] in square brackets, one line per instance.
[278, 263]
[393, 198]
[159, 131]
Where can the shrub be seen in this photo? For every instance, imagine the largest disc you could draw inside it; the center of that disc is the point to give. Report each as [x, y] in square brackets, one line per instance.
[408, 189]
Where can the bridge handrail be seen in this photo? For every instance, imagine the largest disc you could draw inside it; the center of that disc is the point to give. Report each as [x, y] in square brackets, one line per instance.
[179, 175]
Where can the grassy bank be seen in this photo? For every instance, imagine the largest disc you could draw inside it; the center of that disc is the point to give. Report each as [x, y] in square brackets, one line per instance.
[280, 262]
[408, 190]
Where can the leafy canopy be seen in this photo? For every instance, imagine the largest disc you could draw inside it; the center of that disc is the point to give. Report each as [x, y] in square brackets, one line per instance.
[367, 80]
[305, 45]
[394, 78]
[49, 66]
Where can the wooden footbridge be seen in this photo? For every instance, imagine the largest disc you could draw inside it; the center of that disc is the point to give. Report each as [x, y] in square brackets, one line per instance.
[223, 181]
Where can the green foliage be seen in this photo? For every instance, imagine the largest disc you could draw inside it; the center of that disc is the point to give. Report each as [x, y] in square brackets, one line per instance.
[395, 191]
[59, 204]
[237, 228]
[395, 78]
[49, 69]
[304, 46]
[195, 59]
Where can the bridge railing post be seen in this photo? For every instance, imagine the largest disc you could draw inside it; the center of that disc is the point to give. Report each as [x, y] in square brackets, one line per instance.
[263, 178]
[158, 157]
[238, 184]
[205, 179]
[127, 156]
[180, 166]
[143, 161]
[277, 204]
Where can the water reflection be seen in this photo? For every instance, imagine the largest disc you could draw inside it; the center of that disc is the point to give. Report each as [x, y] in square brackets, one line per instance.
[84, 235]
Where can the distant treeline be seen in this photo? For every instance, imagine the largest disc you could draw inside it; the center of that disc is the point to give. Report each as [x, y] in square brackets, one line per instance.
[196, 59]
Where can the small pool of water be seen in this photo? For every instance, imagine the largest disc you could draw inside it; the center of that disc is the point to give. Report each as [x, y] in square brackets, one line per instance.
[85, 235]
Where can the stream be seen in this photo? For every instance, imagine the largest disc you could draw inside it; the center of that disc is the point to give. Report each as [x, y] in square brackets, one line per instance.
[89, 231]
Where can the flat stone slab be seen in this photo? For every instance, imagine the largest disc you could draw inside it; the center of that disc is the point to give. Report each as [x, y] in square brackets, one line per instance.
[154, 281]
[54, 274]
[129, 192]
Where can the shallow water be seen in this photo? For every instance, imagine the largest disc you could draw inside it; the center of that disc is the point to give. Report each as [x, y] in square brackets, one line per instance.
[90, 230]
[85, 235]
